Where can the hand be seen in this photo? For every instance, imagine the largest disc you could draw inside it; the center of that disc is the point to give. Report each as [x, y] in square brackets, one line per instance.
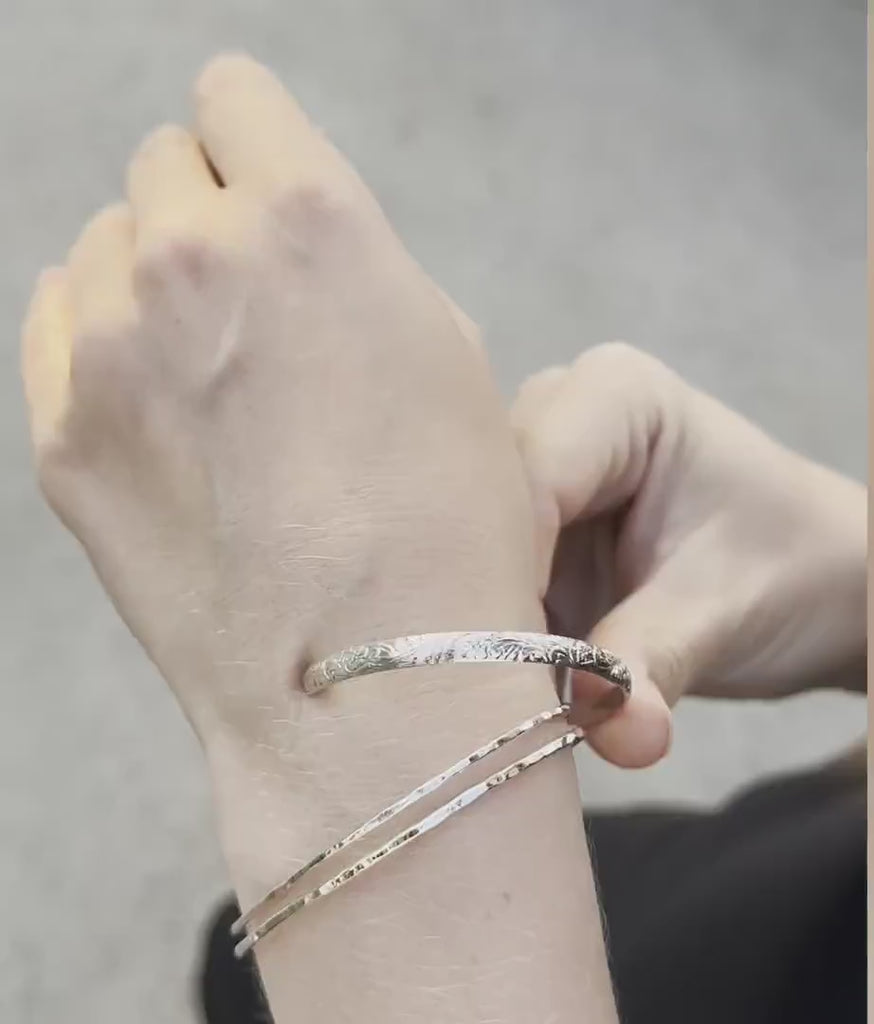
[256, 412]
[713, 560]
[275, 437]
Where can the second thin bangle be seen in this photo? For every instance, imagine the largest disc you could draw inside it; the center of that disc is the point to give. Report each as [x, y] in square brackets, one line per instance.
[415, 831]
[433, 784]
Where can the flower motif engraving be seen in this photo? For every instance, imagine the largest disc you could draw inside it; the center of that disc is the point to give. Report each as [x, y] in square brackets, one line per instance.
[441, 648]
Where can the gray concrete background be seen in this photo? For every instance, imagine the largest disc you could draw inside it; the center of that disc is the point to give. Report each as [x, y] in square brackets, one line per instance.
[687, 175]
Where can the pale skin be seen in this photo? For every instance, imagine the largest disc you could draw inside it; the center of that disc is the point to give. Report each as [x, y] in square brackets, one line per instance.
[716, 560]
[275, 437]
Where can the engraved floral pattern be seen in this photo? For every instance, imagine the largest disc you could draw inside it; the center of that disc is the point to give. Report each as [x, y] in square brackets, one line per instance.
[440, 648]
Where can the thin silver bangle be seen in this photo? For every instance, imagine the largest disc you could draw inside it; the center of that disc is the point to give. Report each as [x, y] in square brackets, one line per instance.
[400, 805]
[431, 821]
[478, 646]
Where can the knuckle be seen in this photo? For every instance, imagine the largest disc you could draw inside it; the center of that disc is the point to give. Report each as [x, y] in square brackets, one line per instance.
[186, 258]
[547, 378]
[617, 354]
[315, 204]
[539, 388]
[311, 219]
[619, 364]
[98, 356]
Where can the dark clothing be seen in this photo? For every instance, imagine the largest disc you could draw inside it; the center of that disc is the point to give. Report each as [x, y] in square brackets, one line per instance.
[754, 914]
[751, 914]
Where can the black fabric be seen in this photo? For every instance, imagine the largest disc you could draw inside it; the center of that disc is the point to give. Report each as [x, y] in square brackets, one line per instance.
[752, 914]
[229, 989]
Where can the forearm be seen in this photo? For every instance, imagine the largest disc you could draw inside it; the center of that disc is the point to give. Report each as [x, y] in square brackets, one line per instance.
[491, 917]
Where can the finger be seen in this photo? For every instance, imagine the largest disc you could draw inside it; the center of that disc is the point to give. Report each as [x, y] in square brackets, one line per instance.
[638, 734]
[46, 343]
[589, 443]
[667, 637]
[100, 272]
[167, 177]
[534, 395]
[255, 133]
[532, 399]
[582, 582]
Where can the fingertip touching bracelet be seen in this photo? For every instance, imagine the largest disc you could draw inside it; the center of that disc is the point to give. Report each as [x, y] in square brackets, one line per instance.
[563, 653]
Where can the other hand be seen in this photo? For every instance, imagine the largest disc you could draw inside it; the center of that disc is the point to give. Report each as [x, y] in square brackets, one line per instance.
[677, 533]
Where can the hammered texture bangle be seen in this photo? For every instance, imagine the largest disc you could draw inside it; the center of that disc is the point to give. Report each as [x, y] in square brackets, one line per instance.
[400, 805]
[415, 831]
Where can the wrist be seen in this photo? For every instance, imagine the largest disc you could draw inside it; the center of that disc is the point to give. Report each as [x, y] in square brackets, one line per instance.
[321, 765]
[275, 815]
[473, 899]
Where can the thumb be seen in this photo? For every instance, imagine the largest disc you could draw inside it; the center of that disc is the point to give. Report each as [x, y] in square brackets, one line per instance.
[665, 642]
[586, 434]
